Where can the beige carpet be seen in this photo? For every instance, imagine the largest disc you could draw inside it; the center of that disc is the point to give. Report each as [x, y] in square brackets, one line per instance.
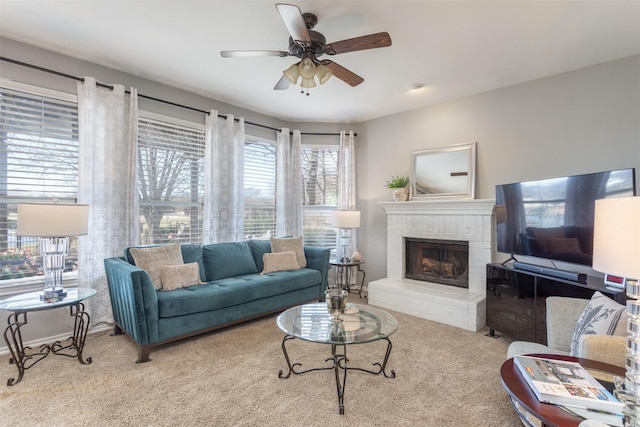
[445, 377]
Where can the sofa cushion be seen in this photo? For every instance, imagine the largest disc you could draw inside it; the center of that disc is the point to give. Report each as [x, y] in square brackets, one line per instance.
[280, 261]
[234, 291]
[258, 249]
[193, 253]
[290, 244]
[179, 276]
[222, 260]
[602, 316]
[150, 259]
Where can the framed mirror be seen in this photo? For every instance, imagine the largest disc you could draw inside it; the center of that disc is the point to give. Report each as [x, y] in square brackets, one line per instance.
[447, 172]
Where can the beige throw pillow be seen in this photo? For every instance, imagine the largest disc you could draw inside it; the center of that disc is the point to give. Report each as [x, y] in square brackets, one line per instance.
[179, 276]
[290, 244]
[279, 261]
[151, 259]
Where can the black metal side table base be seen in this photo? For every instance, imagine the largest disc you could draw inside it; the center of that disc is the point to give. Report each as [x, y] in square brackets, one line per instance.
[339, 364]
[24, 358]
[343, 275]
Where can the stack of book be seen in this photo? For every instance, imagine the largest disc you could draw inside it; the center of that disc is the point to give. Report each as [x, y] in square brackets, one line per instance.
[571, 386]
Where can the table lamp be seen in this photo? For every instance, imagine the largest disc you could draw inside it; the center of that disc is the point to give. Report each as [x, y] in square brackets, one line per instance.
[345, 221]
[616, 250]
[53, 224]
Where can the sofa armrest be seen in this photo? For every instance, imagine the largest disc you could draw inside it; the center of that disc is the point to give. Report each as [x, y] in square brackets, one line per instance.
[318, 259]
[609, 349]
[562, 316]
[133, 300]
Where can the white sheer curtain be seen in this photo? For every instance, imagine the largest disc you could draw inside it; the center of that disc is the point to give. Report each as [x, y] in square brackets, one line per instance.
[223, 211]
[347, 187]
[107, 123]
[288, 184]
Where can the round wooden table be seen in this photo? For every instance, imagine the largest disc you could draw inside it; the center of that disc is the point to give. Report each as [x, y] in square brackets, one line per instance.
[526, 403]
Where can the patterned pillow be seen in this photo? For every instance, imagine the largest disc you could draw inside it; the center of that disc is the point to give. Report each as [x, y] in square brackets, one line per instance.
[290, 244]
[179, 276]
[279, 261]
[601, 316]
[152, 258]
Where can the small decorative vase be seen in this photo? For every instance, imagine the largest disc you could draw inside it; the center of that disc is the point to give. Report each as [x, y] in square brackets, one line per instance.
[356, 256]
[400, 194]
[336, 303]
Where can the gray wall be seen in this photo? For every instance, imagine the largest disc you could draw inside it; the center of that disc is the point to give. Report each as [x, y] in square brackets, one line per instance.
[578, 122]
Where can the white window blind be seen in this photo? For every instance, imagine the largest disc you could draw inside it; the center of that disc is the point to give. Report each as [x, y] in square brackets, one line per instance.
[38, 163]
[259, 189]
[320, 194]
[170, 182]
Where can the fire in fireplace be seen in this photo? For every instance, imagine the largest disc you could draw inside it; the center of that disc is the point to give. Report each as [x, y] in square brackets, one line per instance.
[437, 261]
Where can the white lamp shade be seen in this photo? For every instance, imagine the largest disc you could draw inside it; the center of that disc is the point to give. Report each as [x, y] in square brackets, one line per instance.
[52, 220]
[346, 219]
[616, 242]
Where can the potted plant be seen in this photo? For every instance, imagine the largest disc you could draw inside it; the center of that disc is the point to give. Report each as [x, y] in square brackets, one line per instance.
[399, 186]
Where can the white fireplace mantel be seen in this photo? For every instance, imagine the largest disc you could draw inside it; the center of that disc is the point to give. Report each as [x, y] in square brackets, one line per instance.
[440, 207]
[469, 220]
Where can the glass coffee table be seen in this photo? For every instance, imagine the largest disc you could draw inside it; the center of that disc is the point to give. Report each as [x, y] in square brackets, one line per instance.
[359, 325]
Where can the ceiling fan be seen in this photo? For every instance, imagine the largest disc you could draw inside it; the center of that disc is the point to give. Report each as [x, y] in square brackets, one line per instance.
[309, 45]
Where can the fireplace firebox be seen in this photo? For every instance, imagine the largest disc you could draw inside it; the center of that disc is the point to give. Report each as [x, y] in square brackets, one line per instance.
[438, 261]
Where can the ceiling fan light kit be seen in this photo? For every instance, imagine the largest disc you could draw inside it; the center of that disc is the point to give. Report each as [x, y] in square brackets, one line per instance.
[308, 45]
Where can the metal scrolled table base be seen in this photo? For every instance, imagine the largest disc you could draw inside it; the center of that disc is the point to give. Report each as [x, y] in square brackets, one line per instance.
[24, 358]
[339, 364]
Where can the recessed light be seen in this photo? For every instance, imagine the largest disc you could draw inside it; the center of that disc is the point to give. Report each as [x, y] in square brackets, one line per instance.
[413, 87]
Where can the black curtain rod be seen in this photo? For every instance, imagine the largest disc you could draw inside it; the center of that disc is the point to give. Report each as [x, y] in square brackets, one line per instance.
[80, 79]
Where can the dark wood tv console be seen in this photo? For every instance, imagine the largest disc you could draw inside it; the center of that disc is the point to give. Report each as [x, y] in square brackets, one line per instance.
[516, 300]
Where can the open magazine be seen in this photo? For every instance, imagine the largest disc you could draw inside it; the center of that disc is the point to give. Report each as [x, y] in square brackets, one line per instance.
[566, 383]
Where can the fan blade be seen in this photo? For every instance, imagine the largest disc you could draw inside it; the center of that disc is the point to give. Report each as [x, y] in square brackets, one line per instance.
[372, 41]
[282, 84]
[247, 53]
[349, 77]
[294, 22]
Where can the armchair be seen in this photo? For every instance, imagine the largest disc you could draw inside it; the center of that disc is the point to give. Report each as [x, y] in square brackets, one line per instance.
[562, 317]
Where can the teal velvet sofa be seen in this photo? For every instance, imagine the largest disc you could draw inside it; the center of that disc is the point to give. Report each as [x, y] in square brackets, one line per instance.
[232, 291]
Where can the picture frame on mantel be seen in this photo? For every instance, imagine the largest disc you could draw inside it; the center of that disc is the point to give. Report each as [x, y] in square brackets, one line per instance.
[444, 173]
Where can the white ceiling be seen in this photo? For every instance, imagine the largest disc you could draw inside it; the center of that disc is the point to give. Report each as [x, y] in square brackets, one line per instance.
[455, 48]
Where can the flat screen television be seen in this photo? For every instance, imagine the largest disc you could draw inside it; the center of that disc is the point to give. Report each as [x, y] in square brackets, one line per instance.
[553, 218]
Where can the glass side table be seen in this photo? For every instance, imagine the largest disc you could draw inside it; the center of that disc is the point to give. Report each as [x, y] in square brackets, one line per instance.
[24, 357]
[345, 272]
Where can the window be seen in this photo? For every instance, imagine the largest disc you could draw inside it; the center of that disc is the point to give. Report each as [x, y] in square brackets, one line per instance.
[320, 191]
[259, 189]
[320, 194]
[170, 181]
[38, 163]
